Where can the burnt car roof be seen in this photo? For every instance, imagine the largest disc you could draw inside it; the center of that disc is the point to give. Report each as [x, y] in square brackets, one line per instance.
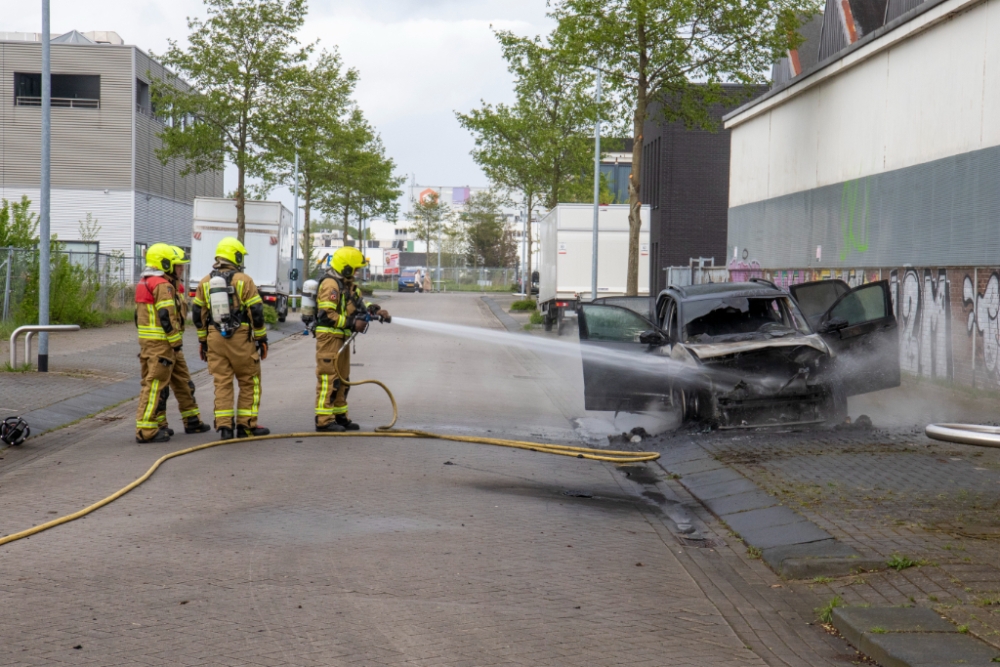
[721, 290]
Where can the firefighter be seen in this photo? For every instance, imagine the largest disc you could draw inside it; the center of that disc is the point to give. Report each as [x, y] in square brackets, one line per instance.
[340, 311]
[180, 378]
[229, 315]
[159, 337]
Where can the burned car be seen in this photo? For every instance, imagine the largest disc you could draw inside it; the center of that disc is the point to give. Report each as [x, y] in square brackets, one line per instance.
[741, 354]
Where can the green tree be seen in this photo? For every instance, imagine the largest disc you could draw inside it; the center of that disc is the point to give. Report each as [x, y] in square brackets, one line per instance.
[489, 239]
[18, 225]
[539, 146]
[431, 218]
[241, 63]
[312, 121]
[678, 54]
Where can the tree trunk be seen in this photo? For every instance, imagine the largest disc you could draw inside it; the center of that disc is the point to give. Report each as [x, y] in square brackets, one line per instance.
[306, 238]
[634, 181]
[527, 228]
[241, 201]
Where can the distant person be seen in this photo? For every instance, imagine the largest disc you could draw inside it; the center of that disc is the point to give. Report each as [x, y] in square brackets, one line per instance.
[229, 315]
[428, 286]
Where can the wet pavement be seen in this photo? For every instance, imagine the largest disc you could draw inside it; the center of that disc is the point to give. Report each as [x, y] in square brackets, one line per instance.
[375, 551]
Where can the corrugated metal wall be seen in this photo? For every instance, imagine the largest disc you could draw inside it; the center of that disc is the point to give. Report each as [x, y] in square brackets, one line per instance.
[91, 148]
[112, 211]
[158, 219]
[939, 213]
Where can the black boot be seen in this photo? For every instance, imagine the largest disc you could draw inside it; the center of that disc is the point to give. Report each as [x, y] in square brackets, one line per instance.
[347, 423]
[248, 431]
[225, 433]
[167, 430]
[332, 427]
[195, 425]
[161, 436]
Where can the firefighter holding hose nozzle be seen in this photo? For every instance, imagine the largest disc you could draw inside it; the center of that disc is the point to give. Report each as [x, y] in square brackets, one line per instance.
[340, 312]
[229, 315]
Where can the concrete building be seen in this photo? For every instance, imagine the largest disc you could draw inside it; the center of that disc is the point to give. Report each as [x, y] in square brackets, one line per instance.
[881, 161]
[103, 143]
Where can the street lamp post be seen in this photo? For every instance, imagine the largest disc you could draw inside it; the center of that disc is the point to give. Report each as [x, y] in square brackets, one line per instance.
[44, 261]
[295, 226]
[597, 186]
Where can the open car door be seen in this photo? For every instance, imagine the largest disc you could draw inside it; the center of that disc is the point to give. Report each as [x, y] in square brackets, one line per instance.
[861, 328]
[817, 297]
[620, 359]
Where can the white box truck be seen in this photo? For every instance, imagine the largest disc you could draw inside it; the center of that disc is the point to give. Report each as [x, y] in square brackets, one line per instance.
[268, 241]
[566, 236]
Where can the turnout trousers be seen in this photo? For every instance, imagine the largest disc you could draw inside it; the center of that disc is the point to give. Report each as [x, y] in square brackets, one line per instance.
[183, 390]
[331, 392]
[156, 361]
[236, 358]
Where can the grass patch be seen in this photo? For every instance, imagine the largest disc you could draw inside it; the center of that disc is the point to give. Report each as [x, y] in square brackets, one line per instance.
[523, 305]
[822, 580]
[754, 552]
[825, 613]
[899, 562]
[964, 629]
[537, 317]
[878, 630]
[21, 368]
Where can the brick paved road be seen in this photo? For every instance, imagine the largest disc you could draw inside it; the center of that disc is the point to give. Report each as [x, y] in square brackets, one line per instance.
[371, 552]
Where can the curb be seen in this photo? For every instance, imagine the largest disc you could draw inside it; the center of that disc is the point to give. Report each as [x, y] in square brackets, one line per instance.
[509, 322]
[910, 637]
[790, 544]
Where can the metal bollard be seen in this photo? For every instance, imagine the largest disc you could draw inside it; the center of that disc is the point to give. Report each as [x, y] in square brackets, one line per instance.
[29, 331]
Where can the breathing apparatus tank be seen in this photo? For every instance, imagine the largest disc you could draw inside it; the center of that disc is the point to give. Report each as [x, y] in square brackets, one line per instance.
[218, 298]
[309, 289]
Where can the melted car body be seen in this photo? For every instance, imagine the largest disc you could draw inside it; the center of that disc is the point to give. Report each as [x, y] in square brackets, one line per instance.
[741, 354]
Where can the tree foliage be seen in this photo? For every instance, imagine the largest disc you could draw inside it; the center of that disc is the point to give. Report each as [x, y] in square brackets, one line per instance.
[677, 53]
[241, 63]
[313, 121]
[430, 220]
[489, 239]
[18, 225]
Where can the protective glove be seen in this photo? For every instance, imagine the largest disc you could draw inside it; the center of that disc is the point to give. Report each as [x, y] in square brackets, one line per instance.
[373, 309]
[262, 347]
[179, 348]
[203, 350]
[360, 325]
[384, 316]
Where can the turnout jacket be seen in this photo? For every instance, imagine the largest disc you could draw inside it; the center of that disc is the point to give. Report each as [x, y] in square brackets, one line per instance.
[336, 301]
[245, 303]
[156, 315]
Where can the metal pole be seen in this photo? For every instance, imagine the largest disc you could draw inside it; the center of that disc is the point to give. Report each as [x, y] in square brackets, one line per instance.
[6, 286]
[524, 253]
[44, 231]
[295, 224]
[597, 186]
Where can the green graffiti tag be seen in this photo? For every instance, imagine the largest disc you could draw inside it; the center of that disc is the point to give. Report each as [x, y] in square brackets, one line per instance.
[854, 225]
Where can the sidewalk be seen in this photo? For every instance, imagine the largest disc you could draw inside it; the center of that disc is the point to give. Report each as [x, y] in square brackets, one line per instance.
[925, 507]
[90, 370]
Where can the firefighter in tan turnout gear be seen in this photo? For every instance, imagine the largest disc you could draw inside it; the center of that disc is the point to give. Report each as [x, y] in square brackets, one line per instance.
[181, 384]
[160, 337]
[340, 312]
[229, 315]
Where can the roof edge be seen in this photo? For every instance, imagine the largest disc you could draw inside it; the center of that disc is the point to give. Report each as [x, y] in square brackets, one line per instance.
[827, 68]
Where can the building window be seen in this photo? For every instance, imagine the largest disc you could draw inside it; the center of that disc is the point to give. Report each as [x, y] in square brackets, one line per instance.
[80, 91]
[143, 103]
[82, 253]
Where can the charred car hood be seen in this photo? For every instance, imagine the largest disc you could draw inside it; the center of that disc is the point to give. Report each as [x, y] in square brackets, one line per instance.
[705, 351]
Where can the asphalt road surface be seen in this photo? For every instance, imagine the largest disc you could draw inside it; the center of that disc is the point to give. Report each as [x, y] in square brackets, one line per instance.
[359, 551]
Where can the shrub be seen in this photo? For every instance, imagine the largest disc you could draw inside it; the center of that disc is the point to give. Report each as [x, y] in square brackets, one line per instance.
[270, 314]
[72, 294]
[825, 613]
[537, 317]
[523, 305]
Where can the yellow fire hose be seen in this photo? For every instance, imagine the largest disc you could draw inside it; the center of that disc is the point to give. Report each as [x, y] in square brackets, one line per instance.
[387, 431]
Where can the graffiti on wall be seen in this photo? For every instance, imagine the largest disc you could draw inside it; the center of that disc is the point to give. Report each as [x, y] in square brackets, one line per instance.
[742, 270]
[855, 212]
[984, 309]
[922, 306]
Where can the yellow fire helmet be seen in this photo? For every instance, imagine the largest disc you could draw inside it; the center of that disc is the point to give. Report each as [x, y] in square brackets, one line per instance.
[160, 256]
[347, 260]
[180, 257]
[231, 250]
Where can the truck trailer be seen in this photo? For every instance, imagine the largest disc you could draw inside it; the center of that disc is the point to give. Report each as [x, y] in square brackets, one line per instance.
[268, 241]
[565, 257]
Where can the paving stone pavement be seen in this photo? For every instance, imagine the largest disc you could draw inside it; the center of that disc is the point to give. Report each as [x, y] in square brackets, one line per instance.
[890, 493]
[374, 551]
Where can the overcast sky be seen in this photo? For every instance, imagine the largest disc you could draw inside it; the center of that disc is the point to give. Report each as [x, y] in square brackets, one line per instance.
[419, 60]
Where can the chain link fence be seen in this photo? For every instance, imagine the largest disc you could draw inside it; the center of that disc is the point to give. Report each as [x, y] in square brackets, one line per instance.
[455, 279]
[81, 281]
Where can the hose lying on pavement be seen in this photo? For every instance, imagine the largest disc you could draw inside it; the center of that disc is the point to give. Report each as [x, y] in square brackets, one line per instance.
[965, 434]
[387, 431]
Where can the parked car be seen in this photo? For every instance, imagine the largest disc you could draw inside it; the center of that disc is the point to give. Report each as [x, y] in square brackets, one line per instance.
[410, 280]
[741, 354]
